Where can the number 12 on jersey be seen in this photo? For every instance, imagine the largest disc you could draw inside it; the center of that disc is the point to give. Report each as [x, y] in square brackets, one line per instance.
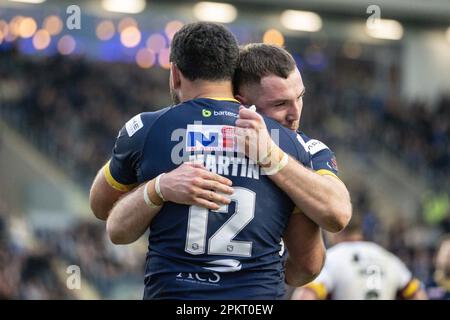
[221, 242]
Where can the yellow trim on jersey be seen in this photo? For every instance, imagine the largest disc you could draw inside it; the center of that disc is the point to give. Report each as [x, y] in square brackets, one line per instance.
[223, 99]
[113, 182]
[318, 288]
[325, 172]
[296, 211]
[411, 288]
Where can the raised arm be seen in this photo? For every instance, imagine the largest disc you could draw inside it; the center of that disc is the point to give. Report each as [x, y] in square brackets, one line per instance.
[323, 198]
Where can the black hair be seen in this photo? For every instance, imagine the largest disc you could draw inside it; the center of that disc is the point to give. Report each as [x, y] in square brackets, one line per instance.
[206, 51]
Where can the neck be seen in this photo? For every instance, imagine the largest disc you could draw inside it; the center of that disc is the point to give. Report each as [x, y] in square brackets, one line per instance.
[206, 89]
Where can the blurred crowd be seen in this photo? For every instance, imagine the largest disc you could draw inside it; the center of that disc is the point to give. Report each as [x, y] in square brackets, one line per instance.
[416, 133]
[77, 262]
[72, 108]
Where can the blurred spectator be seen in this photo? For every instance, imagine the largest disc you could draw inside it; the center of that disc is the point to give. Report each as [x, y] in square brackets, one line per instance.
[38, 270]
[439, 286]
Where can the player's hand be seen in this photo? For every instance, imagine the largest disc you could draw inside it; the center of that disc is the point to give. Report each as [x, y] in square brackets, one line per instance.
[192, 184]
[252, 134]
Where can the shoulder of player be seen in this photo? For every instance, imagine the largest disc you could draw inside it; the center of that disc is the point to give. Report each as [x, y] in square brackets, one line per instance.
[368, 246]
[337, 251]
[150, 116]
[335, 254]
[142, 122]
[313, 146]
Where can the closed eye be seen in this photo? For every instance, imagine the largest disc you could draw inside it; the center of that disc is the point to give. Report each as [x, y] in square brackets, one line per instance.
[301, 94]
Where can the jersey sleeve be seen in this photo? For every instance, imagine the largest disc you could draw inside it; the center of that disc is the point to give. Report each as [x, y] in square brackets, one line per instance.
[407, 284]
[121, 170]
[324, 163]
[323, 159]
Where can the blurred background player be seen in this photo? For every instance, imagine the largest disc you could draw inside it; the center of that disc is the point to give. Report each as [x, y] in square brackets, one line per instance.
[439, 286]
[360, 270]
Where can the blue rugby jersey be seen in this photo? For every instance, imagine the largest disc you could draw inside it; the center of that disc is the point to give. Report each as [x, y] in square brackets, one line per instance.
[195, 253]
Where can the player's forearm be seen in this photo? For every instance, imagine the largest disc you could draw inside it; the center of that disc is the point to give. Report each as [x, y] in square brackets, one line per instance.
[304, 242]
[323, 200]
[305, 267]
[130, 218]
[296, 276]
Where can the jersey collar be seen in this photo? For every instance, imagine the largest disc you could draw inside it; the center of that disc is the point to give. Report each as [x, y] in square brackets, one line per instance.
[223, 99]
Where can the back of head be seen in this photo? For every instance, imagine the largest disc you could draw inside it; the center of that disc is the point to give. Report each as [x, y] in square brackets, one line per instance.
[205, 51]
[257, 60]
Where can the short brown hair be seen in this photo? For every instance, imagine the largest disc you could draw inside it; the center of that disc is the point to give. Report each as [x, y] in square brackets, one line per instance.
[257, 60]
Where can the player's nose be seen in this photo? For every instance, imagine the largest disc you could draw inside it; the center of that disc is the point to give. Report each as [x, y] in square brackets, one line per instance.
[293, 112]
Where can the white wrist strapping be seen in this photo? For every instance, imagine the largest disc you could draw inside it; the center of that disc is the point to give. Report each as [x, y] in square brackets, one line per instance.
[266, 159]
[147, 198]
[157, 187]
[277, 168]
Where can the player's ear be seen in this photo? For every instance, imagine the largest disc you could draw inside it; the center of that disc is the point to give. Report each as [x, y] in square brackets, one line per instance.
[241, 99]
[242, 94]
[176, 77]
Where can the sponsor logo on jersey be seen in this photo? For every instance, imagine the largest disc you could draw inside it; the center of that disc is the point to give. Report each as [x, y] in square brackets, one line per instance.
[206, 113]
[207, 278]
[222, 113]
[315, 146]
[225, 113]
[210, 138]
[134, 125]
